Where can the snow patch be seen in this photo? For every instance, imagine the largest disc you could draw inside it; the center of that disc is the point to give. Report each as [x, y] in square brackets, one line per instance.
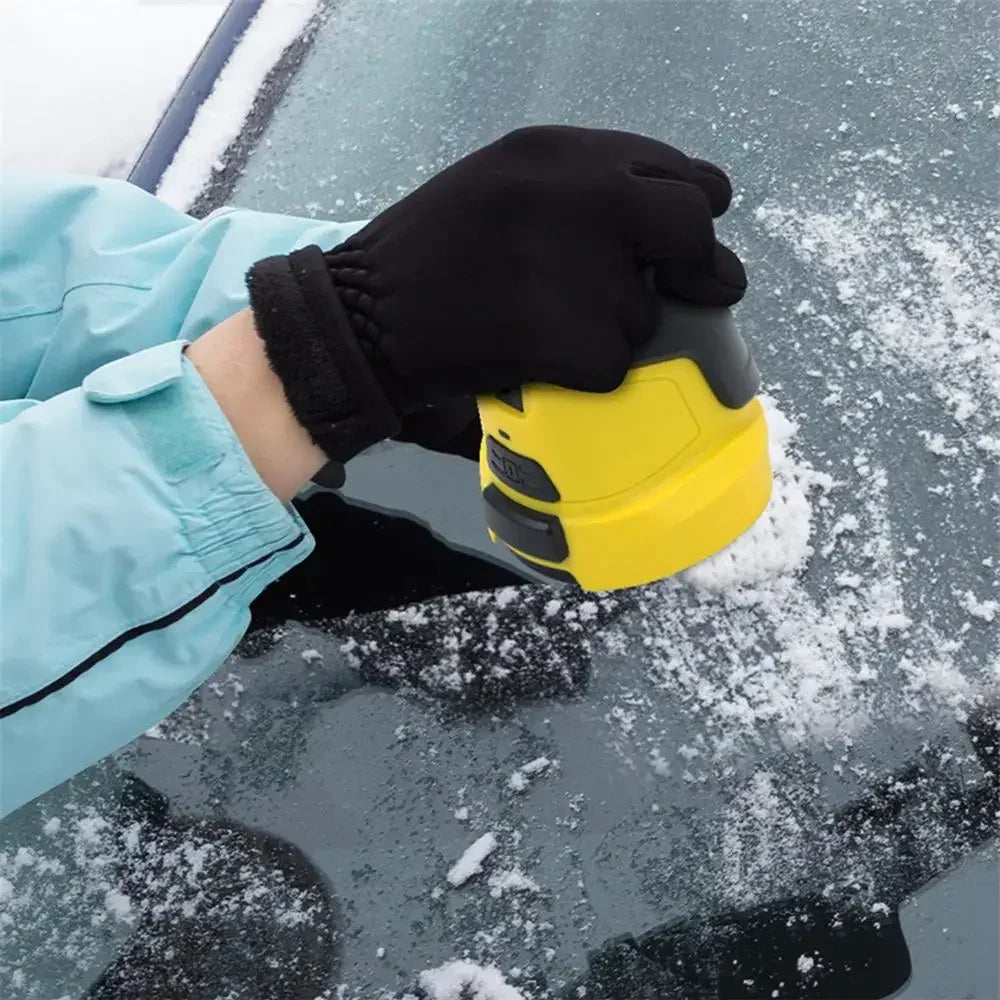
[511, 881]
[914, 282]
[778, 542]
[463, 980]
[986, 610]
[471, 862]
[118, 905]
[754, 649]
[61, 897]
[937, 445]
[219, 120]
[521, 778]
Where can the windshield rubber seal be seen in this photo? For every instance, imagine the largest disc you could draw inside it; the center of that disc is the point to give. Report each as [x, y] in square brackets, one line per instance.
[173, 127]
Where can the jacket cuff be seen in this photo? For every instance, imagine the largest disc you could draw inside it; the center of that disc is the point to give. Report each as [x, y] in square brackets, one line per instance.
[243, 536]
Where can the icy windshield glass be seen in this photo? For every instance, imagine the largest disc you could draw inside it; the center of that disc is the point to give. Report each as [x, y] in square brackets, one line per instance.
[424, 769]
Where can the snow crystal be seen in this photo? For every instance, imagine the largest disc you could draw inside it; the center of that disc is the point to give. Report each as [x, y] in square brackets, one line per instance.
[805, 964]
[90, 828]
[990, 443]
[536, 766]
[413, 615]
[986, 610]
[937, 445]
[131, 836]
[464, 980]
[311, 655]
[658, 763]
[520, 779]
[506, 595]
[845, 525]
[517, 781]
[511, 881]
[471, 862]
[118, 904]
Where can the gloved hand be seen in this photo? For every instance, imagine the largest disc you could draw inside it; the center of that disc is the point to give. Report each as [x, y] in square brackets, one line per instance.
[528, 261]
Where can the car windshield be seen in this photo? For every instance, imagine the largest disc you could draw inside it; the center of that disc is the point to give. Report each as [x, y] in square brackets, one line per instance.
[427, 768]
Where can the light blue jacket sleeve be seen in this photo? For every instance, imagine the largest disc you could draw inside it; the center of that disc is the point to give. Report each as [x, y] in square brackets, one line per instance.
[134, 532]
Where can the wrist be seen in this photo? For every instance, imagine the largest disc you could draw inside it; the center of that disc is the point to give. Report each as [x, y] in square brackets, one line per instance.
[233, 363]
[312, 347]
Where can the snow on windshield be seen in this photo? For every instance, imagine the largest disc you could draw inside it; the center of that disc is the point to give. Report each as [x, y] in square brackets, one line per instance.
[922, 288]
[725, 708]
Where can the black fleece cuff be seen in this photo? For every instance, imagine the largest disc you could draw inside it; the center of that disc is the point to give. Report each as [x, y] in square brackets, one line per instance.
[329, 384]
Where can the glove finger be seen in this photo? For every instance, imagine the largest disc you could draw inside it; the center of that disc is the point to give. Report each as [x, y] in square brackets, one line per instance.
[720, 281]
[667, 220]
[599, 364]
[714, 181]
[653, 159]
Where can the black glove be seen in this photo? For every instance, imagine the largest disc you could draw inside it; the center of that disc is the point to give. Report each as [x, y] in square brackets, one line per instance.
[527, 261]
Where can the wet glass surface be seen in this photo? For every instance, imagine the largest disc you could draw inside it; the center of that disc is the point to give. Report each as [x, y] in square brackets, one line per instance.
[749, 769]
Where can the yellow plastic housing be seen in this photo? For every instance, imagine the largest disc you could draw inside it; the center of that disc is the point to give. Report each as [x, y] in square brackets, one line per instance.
[652, 478]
